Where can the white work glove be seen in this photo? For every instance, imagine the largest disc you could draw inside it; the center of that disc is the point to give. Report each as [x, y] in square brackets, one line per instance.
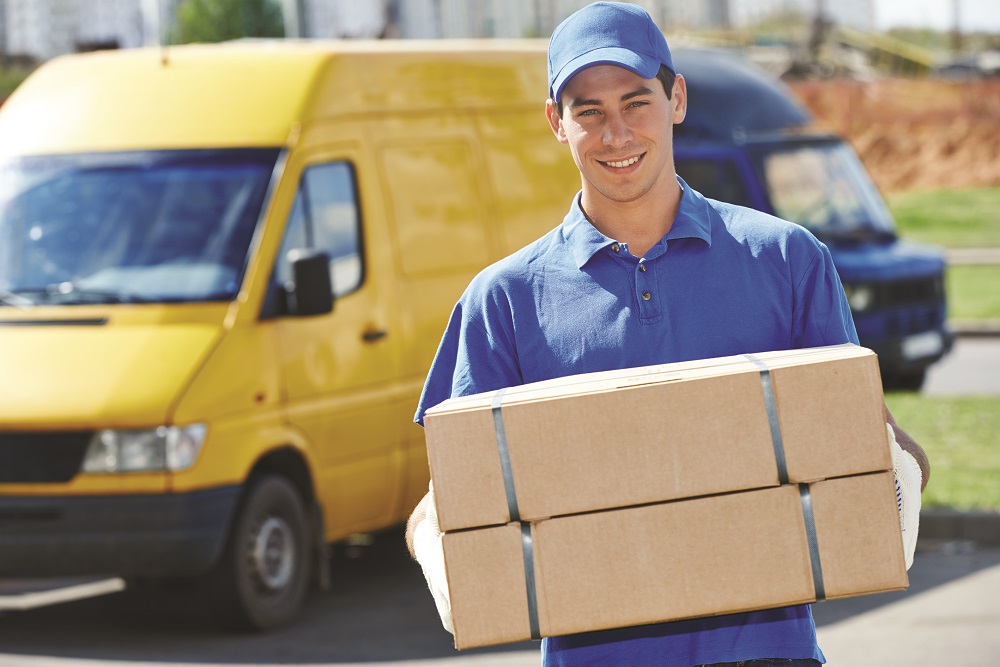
[429, 550]
[908, 481]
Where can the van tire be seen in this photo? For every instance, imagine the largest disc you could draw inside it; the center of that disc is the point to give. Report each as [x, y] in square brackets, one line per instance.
[262, 579]
[904, 380]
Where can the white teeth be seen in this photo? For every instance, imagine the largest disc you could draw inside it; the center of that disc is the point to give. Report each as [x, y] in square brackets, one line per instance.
[624, 163]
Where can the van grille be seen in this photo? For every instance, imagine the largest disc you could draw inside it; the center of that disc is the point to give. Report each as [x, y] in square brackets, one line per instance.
[33, 457]
[907, 292]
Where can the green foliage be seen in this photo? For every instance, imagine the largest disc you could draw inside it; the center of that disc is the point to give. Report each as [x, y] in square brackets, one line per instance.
[943, 41]
[974, 292]
[220, 20]
[959, 436]
[963, 218]
[11, 79]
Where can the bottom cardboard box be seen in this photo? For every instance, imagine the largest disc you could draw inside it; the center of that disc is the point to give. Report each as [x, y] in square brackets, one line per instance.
[668, 561]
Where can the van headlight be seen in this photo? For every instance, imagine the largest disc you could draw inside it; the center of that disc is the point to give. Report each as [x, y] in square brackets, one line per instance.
[860, 297]
[157, 449]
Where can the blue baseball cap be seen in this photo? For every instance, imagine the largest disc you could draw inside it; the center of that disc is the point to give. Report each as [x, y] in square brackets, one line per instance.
[606, 33]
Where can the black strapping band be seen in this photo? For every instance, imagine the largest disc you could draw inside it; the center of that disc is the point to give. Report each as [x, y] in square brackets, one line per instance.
[527, 547]
[772, 417]
[528, 552]
[813, 541]
[508, 473]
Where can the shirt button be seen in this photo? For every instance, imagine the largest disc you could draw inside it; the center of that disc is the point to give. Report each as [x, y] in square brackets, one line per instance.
[646, 296]
[642, 268]
[615, 247]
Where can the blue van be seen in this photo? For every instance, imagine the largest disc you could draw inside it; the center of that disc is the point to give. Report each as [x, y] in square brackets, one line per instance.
[746, 141]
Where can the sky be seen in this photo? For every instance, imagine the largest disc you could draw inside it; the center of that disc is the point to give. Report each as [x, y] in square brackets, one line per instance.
[974, 15]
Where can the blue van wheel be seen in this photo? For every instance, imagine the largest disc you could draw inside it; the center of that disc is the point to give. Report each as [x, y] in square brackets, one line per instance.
[262, 579]
[904, 380]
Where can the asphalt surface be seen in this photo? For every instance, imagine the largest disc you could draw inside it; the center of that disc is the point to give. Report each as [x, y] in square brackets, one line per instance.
[379, 613]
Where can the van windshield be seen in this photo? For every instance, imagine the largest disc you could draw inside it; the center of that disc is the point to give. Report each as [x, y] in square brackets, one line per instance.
[824, 187]
[149, 226]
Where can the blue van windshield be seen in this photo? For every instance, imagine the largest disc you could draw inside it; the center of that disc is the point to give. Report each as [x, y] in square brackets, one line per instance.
[149, 226]
[824, 187]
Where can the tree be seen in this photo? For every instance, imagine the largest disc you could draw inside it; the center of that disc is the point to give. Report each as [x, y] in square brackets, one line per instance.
[220, 20]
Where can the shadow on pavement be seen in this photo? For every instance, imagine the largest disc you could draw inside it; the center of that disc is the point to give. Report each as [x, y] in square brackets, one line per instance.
[377, 610]
[935, 564]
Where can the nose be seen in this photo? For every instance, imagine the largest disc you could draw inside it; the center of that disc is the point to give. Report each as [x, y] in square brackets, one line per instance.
[616, 131]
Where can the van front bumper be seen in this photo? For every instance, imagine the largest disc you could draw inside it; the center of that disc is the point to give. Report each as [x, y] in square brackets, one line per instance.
[912, 352]
[123, 535]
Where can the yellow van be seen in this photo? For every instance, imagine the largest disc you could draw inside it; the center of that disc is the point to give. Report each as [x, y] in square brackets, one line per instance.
[224, 270]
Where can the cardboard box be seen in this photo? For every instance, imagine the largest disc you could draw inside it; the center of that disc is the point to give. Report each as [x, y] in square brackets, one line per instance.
[603, 440]
[668, 561]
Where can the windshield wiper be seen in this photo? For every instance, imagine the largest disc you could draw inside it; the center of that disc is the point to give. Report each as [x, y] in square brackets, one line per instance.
[71, 293]
[9, 298]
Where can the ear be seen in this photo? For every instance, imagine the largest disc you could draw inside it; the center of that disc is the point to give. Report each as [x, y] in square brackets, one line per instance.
[555, 122]
[679, 99]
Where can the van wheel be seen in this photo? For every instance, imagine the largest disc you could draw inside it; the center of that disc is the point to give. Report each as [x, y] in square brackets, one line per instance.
[904, 381]
[262, 579]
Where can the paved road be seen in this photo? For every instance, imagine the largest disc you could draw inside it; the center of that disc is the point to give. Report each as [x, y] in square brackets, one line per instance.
[379, 613]
[971, 368]
[950, 616]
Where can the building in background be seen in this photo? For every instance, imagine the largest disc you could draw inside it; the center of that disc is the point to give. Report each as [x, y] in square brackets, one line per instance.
[857, 14]
[36, 30]
[533, 18]
[41, 29]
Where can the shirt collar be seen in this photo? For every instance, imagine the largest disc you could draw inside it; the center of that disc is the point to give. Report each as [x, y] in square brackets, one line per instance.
[693, 221]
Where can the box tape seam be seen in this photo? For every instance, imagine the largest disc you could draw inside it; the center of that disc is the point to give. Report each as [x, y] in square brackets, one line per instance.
[772, 417]
[528, 553]
[527, 546]
[504, 451]
[812, 539]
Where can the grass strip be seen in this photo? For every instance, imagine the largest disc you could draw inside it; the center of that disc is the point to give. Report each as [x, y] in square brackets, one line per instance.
[961, 218]
[961, 436]
[973, 291]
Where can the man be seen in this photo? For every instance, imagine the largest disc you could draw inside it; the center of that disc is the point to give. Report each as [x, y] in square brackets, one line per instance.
[643, 270]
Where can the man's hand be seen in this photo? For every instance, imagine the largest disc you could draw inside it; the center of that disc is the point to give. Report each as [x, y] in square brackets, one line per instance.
[419, 512]
[911, 447]
[907, 476]
[424, 540]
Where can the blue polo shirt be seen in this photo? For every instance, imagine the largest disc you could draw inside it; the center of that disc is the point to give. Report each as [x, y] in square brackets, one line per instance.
[725, 280]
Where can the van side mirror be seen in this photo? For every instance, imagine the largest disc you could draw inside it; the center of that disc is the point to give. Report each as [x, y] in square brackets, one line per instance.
[311, 292]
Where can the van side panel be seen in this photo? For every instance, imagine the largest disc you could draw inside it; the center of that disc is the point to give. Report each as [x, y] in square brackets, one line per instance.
[439, 223]
[532, 176]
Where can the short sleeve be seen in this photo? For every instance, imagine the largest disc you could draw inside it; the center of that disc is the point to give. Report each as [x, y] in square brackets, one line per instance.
[476, 355]
[822, 315]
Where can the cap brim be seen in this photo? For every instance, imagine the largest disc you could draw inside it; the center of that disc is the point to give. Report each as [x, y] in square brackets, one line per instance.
[644, 66]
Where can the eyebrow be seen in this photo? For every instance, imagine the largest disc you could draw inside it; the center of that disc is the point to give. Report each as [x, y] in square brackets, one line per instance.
[638, 92]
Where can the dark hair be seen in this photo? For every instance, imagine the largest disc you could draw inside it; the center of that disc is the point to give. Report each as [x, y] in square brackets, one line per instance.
[665, 76]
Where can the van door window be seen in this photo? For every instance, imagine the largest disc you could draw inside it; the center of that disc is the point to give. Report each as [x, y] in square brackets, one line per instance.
[715, 178]
[325, 217]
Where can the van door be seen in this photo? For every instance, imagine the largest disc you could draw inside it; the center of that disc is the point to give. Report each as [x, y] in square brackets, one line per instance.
[339, 368]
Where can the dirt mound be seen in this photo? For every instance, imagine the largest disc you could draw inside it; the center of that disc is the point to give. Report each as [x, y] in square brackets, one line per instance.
[915, 134]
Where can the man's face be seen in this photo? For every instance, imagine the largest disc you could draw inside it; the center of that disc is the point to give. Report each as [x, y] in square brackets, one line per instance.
[619, 128]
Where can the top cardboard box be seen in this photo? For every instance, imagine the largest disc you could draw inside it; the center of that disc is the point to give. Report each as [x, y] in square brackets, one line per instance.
[619, 438]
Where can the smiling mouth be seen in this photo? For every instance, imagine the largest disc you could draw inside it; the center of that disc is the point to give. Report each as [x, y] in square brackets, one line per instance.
[623, 163]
